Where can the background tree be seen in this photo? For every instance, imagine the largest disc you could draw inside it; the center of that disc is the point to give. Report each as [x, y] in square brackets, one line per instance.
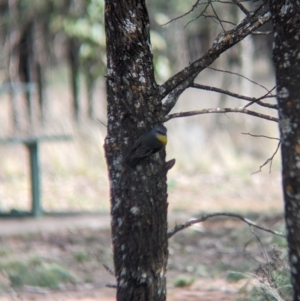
[286, 22]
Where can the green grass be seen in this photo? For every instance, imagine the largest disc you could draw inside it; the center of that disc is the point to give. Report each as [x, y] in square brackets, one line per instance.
[81, 256]
[36, 272]
[183, 281]
[233, 276]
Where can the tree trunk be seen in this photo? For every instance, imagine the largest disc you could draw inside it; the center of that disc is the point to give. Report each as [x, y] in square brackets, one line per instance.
[73, 49]
[26, 69]
[40, 56]
[90, 86]
[138, 195]
[286, 22]
[41, 90]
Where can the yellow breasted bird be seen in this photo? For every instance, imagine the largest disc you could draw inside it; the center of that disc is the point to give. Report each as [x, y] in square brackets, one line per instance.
[148, 144]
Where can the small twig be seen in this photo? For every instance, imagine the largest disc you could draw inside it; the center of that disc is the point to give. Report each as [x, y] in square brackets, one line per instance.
[236, 95]
[220, 21]
[203, 218]
[222, 42]
[217, 17]
[200, 15]
[170, 164]
[185, 14]
[241, 7]
[218, 111]
[111, 285]
[240, 75]
[175, 94]
[268, 160]
[101, 122]
[109, 270]
[261, 244]
[258, 99]
[260, 136]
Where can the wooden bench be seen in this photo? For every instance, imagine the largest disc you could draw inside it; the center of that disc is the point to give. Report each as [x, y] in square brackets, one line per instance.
[32, 144]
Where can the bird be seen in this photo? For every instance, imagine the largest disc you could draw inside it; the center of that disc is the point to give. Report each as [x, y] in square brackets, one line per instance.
[148, 144]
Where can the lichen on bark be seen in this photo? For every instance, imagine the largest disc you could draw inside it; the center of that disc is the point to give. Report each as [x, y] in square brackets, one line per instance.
[138, 194]
[286, 23]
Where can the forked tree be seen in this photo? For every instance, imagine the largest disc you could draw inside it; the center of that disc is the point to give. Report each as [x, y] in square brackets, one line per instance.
[135, 105]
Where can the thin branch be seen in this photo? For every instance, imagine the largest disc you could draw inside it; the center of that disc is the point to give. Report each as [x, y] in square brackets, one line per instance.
[241, 7]
[270, 160]
[258, 99]
[218, 111]
[217, 17]
[185, 14]
[109, 270]
[221, 44]
[220, 21]
[261, 136]
[203, 218]
[223, 2]
[239, 96]
[174, 95]
[261, 244]
[201, 14]
[196, 4]
[111, 285]
[240, 75]
[262, 32]
[101, 122]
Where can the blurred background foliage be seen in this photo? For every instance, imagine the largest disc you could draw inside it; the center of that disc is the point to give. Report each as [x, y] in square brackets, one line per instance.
[59, 47]
[83, 20]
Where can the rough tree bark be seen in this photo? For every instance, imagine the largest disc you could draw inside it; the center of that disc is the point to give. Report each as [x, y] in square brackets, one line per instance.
[138, 195]
[286, 55]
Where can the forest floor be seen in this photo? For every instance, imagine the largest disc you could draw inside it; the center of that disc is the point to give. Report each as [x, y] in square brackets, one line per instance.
[60, 258]
[216, 260]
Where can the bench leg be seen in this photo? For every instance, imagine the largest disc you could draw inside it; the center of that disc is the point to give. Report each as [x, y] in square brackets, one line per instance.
[33, 149]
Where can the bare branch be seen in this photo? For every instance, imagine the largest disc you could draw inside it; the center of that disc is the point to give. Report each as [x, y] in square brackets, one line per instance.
[223, 42]
[240, 75]
[203, 218]
[270, 160]
[258, 99]
[220, 21]
[239, 96]
[109, 270]
[196, 4]
[185, 14]
[201, 14]
[101, 122]
[261, 136]
[111, 285]
[261, 244]
[217, 17]
[218, 111]
[241, 7]
[174, 95]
